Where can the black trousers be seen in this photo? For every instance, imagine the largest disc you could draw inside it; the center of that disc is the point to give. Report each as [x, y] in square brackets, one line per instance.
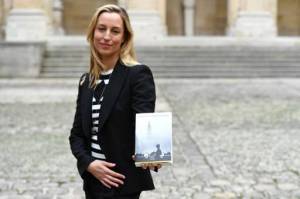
[94, 189]
[115, 196]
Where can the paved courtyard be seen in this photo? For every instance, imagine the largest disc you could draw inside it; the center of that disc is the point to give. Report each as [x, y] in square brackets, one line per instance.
[233, 138]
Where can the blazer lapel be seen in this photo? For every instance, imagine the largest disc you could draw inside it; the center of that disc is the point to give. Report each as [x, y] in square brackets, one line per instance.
[112, 91]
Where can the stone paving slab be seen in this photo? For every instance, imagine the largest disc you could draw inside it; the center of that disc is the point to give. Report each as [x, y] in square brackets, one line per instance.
[248, 132]
[233, 138]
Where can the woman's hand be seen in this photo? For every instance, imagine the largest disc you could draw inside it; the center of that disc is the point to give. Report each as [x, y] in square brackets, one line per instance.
[101, 170]
[151, 166]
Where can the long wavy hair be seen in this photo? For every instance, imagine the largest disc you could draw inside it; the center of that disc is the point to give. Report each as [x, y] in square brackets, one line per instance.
[127, 53]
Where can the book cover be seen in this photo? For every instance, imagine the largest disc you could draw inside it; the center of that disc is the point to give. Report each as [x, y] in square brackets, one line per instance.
[153, 138]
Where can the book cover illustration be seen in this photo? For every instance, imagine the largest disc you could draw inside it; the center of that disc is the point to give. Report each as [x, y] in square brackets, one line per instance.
[153, 138]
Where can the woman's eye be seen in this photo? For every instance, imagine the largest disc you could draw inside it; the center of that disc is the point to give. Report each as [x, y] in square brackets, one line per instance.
[116, 31]
[101, 29]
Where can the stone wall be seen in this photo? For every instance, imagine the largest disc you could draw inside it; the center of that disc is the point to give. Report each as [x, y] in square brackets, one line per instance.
[77, 14]
[21, 59]
[211, 17]
[289, 17]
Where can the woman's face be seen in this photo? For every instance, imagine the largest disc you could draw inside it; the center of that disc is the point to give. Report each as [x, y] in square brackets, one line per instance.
[109, 35]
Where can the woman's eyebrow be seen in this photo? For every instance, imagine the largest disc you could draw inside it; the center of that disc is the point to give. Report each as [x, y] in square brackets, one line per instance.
[114, 27]
[117, 27]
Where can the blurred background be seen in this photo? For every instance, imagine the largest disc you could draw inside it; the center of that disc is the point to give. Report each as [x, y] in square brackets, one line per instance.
[227, 69]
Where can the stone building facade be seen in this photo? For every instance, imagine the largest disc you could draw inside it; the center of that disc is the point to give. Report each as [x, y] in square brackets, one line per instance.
[38, 35]
[39, 19]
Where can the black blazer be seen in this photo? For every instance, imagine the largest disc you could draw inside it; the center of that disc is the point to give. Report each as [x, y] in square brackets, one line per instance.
[130, 90]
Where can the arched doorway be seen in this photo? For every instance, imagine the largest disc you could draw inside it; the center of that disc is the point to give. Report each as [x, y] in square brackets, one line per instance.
[288, 18]
[211, 17]
[175, 17]
[77, 14]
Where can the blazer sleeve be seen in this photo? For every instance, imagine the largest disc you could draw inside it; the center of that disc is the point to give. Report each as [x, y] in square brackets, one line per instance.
[77, 139]
[142, 90]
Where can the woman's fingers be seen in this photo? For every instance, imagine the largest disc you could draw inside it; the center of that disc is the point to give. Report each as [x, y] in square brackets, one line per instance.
[114, 174]
[151, 166]
[109, 182]
[107, 176]
[144, 166]
[108, 171]
[104, 183]
[115, 180]
[108, 164]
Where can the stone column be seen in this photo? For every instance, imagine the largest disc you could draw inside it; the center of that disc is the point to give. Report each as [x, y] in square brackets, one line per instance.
[252, 18]
[26, 21]
[147, 18]
[189, 13]
[57, 10]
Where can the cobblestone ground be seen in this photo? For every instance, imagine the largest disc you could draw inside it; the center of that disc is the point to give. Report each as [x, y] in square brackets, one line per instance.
[233, 138]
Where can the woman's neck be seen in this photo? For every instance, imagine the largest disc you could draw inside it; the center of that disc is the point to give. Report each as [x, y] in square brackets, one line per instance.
[109, 63]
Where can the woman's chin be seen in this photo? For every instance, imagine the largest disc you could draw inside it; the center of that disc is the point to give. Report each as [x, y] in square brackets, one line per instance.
[105, 52]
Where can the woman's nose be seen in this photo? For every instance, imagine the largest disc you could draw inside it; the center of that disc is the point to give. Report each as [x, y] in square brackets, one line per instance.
[107, 35]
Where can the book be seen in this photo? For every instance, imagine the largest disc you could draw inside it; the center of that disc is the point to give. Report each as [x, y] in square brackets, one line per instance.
[153, 138]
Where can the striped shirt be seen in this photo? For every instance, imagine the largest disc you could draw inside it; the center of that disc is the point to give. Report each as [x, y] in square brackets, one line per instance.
[98, 95]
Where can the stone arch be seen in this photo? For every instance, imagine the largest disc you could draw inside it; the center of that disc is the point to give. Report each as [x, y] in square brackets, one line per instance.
[77, 14]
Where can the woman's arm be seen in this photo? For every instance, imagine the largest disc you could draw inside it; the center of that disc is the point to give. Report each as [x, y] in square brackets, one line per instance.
[142, 90]
[77, 140]
[143, 98]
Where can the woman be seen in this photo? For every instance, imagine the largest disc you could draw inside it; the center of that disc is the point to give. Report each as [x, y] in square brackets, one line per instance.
[115, 89]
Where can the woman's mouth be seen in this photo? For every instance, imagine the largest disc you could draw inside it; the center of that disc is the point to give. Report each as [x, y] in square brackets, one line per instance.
[104, 45]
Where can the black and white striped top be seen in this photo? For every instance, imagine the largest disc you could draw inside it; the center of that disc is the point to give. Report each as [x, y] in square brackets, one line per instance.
[98, 96]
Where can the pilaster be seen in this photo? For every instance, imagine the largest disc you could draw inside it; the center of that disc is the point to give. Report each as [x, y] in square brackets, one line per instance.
[147, 18]
[26, 21]
[252, 18]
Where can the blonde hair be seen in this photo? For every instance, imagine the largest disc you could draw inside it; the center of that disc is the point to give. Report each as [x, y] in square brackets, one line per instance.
[127, 54]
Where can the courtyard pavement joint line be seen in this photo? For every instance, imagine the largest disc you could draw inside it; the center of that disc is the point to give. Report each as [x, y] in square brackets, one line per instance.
[187, 131]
